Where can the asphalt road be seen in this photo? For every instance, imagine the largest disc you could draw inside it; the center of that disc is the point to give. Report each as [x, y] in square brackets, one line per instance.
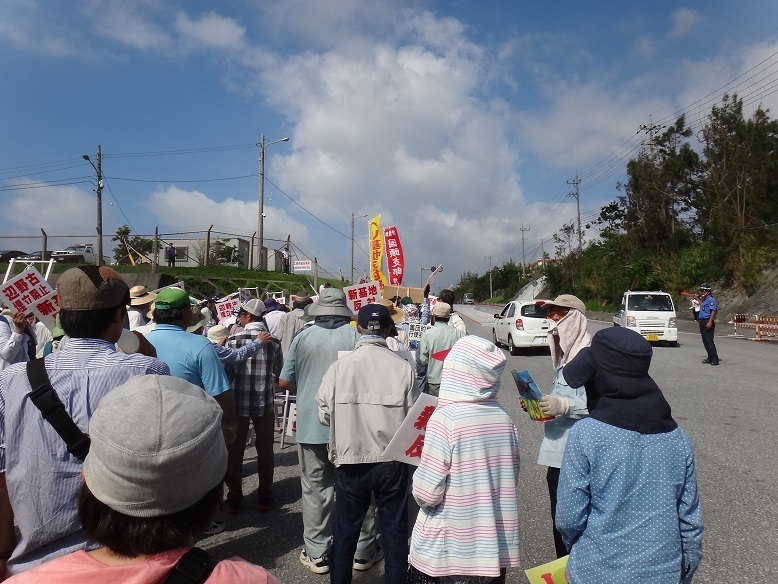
[730, 413]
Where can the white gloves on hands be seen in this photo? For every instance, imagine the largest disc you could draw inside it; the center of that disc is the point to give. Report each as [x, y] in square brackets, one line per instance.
[553, 405]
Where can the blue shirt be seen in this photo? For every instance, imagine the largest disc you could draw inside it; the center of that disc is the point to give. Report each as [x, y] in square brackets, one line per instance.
[555, 431]
[708, 305]
[191, 357]
[312, 352]
[43, 479]
[627, 503]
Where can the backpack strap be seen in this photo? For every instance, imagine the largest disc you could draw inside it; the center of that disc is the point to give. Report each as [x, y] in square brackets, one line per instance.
[194, 567]
[47, 401]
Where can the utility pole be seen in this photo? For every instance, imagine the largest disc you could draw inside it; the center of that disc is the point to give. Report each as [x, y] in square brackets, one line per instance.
[261, 215]
[491, 293]
[351, 281]
[575, 182]
[649, 129]
[523, 259]
[99, 190]
[352, 244]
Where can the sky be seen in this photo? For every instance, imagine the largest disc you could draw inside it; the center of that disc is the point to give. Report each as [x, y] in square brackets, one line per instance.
[462, 123]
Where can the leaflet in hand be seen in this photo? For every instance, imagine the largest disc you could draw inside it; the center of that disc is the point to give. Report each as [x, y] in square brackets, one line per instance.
[529, 392]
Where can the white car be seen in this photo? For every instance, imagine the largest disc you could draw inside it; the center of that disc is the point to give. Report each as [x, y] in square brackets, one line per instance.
[521, 325]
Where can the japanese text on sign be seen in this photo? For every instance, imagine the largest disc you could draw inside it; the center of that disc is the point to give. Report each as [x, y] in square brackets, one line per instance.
[30, 292]
[224, 309]
[408, 442]
[416, 329]
[360, 295]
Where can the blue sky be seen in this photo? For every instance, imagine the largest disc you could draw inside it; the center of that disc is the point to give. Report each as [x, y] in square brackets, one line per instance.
[458, 121]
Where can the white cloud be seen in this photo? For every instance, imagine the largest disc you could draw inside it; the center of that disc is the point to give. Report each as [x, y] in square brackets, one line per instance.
[748, 71]
[133, 24]
[29, 28]
[645, 47]
[173, 206]
[684, 20]
[211, 31]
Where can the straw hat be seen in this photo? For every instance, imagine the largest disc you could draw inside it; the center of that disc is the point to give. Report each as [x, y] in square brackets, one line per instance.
[396, 315]
[140, 295]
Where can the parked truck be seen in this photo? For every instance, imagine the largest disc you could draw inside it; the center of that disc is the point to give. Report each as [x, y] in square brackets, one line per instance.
[83, 253]
[649, 313]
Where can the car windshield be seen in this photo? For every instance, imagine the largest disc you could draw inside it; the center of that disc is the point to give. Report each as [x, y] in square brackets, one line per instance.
[532, 310]
[650, 302]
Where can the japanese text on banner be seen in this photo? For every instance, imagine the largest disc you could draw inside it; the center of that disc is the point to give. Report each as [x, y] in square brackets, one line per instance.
[395, 261]
[376, 252]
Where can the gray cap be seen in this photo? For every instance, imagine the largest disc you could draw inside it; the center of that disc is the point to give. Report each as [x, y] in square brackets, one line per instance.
[157, 446]
[254, 306]
[331, 302]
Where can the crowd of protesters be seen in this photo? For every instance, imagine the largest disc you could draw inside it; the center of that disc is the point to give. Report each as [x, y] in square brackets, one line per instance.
[134, 391]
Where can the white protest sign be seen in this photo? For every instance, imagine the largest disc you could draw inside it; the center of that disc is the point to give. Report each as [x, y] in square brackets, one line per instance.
[224, 309]
[291, 420]
[408, 442]
[416, 329]
[433, 274]
[30, 292]
[360, 295]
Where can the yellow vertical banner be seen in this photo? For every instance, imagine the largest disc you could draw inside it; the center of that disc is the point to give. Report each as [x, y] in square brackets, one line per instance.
[551, 573]
[376, 251]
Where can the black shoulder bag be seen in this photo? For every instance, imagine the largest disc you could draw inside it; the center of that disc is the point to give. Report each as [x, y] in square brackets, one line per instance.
[47, 401]
[194, 567]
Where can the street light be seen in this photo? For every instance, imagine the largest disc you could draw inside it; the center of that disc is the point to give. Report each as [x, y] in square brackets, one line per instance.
[352, 243]
[99, 191]
[261, 216]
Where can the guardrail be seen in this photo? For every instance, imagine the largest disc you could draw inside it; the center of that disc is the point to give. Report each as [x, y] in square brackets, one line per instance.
[765, 327]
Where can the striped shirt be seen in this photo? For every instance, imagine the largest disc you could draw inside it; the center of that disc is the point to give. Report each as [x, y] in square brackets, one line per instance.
[468, 522]
[43, 479]
[256, 380]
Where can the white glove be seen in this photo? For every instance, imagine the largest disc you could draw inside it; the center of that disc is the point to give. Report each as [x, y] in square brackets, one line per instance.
[553, 405]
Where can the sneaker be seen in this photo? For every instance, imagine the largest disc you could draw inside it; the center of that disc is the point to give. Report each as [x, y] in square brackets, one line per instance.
[264, 504]
[214, 528]
[706, 361]
[363, 564]
[316, 565]
[714, 362]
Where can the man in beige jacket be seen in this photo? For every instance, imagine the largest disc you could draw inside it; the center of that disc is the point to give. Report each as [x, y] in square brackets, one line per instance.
[364, 398]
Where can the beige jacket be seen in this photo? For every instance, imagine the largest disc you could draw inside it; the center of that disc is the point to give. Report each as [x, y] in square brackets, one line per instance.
[363, 398]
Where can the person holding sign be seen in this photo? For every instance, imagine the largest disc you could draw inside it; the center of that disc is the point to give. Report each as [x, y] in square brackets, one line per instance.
[13, 340]
[628, 503]
[468, 522]
[567, 335]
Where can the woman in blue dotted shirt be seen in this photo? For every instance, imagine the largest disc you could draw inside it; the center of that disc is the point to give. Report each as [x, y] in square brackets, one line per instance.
[628, 506]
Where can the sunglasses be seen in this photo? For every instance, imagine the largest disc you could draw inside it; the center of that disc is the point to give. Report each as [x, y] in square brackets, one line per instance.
[557, 310]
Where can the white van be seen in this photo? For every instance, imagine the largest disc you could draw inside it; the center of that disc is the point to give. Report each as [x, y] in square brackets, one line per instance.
[652, 314]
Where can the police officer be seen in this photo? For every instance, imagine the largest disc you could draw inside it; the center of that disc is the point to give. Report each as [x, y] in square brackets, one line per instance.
[707, 319]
